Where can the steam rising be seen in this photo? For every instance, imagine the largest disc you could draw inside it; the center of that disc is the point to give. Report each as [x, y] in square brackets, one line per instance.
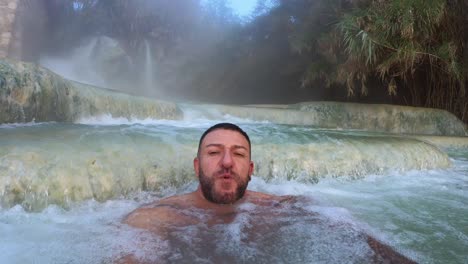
[160, 49]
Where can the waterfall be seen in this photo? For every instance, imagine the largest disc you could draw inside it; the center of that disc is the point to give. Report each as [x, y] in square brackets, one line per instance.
[79, 66]
[148, 71]
[78, 162]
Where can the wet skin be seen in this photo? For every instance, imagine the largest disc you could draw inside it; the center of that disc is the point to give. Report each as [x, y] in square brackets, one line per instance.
[179, 211]
[223, 165]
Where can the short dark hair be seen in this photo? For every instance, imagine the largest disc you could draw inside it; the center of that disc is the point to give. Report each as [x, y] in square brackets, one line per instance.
[226, 126]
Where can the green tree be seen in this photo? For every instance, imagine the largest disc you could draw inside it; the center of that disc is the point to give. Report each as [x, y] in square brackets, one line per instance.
[415, 47]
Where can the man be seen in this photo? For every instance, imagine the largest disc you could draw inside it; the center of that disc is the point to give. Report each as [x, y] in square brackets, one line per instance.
[223, 167]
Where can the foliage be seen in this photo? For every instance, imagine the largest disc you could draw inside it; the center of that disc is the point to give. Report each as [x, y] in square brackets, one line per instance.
[415, 47]
[410, 51]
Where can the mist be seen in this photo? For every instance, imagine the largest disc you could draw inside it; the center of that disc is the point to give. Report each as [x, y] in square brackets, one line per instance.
[177, 50]
[283, 52]
[160, 49]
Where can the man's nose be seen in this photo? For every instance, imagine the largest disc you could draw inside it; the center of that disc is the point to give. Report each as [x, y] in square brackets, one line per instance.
[227, 160]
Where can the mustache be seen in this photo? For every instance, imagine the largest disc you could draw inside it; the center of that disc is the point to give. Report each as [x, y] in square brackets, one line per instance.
[226, 172]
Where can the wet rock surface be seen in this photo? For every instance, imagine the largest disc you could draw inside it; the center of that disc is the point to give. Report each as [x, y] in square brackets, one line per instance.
[31, 93]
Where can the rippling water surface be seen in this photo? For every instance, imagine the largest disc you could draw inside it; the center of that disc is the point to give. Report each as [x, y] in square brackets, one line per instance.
[422, 213]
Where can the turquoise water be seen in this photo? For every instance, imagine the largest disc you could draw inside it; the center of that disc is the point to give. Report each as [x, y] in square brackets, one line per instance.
[420, 212]
[66, 187]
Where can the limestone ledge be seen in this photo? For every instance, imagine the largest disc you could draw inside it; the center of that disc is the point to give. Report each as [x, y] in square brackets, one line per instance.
[61, 168]
[32, 93]
[393, 119]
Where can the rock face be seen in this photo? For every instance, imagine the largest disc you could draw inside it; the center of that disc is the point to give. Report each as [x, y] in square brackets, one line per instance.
[365, 117]
[7, 17]
[386, 118]
[23, 28]
[31, 93]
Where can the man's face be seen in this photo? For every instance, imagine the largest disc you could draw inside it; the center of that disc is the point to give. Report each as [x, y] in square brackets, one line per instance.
[223, 166]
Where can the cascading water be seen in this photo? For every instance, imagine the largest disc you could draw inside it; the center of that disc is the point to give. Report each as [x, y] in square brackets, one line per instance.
[148, 71]
[64, 189]
[80, 66]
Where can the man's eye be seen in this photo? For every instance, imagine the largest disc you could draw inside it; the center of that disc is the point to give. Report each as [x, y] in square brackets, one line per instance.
[213, 152]
[239, 154]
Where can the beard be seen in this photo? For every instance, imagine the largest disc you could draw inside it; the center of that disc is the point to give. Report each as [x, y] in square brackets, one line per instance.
[209, 188]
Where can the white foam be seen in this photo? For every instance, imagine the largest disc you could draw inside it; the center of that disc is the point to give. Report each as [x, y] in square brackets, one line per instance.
[27, 124]
[212, 115]
[93, 230]
[198, 122]
[247, 207]
[410, 209]
[280, 187]
[95, 233]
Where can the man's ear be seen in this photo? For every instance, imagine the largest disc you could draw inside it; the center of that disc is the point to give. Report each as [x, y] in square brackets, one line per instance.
[251, 168]
[196, 166]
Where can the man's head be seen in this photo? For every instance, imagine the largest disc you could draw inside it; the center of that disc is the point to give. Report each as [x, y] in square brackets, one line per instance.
[223, 163]
[226, 126]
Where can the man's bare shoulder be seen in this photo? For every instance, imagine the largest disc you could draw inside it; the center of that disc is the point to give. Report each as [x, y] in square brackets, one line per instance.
[157, 215]
[150, 218]
[262, 198]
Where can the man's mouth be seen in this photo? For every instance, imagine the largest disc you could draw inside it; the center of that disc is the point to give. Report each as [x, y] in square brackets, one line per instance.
[226, 181]
[226, 176]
